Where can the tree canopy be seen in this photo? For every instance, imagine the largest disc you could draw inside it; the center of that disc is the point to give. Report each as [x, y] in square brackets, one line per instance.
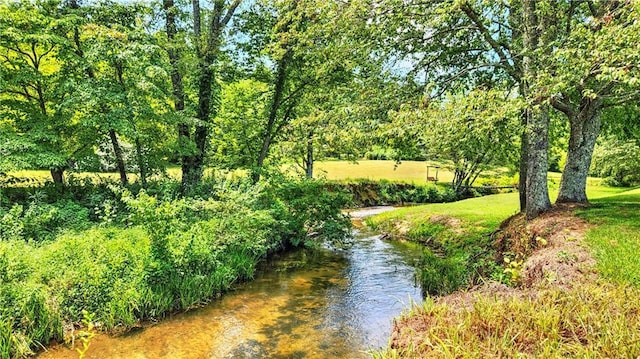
[254, 84]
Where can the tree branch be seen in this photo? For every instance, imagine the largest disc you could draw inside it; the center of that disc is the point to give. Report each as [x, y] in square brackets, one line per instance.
[473, 16]
[230, 11]
[563, 107]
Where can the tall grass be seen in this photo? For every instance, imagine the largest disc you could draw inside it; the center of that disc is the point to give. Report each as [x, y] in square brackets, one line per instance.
[594, 321]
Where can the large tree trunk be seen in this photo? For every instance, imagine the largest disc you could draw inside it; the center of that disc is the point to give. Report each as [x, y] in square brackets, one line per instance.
[537, 192]
[585, 127]
[207, 52]
[524, 161]
[193, 174]
[117, 151]
[178, 88]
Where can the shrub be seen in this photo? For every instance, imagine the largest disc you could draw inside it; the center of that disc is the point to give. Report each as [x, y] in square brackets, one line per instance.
[41, 222]
[305, 210]
[374, 193]
[441, 275]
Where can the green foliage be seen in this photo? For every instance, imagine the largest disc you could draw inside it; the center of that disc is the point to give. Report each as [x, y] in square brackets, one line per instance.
[304, 209]
[474, 131]
[37, 79]
[40, 221]
[155, 254]
[618, 162]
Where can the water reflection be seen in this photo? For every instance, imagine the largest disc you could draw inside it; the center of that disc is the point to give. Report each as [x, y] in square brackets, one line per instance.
[306, 304]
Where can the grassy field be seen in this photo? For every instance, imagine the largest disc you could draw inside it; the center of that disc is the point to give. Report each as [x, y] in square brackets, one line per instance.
[407, 171]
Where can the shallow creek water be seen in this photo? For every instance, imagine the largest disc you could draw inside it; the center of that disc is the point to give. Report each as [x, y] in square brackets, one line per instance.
[303, 304]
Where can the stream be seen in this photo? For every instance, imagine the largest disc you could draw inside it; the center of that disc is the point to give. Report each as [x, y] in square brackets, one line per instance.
[320, 303]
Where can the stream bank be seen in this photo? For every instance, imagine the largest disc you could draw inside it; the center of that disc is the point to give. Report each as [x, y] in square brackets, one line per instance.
[303, 304]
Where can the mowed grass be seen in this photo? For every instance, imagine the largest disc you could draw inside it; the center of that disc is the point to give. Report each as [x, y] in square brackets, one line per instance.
[615, 240]
[406, 171]
[481, 214]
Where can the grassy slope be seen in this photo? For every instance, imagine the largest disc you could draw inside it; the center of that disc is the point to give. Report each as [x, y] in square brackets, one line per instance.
[482, 214]
[596, 320]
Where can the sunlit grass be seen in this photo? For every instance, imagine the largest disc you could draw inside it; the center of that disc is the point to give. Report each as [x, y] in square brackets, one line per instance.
[615, 240]
[482, 213]
[593, 321]
[407, 171]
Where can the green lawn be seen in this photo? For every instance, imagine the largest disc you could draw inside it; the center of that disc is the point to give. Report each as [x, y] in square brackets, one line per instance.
[482, 214]
[615, 240]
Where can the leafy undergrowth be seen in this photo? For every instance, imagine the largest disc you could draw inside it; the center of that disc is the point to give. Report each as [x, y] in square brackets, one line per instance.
[147, 256]
[559, 305]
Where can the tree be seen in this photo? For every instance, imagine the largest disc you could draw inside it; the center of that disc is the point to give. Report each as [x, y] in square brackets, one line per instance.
[454, 44]
[618, 161]
[38, 73]
[124, 92]
[593, 68]
[207, 40]
[473, 130]
[297, 44]
[238, 127]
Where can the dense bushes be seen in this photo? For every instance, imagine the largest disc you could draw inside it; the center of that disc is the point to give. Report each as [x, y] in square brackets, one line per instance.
[375, 193]
[144, 254]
